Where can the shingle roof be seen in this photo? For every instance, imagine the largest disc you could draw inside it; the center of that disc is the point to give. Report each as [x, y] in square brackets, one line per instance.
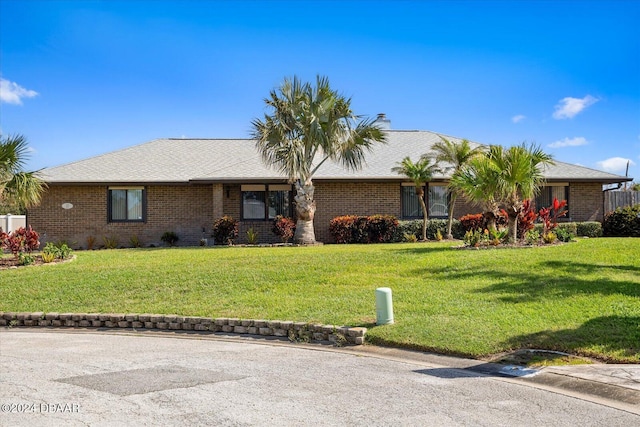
[236, 160]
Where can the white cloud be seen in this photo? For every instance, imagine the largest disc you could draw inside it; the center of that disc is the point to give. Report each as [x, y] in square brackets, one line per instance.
[12, 93]
[569, 142]
[615, 164]
[518, 118]
[569, 107]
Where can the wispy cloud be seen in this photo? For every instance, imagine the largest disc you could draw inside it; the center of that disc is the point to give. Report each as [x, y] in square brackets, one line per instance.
[569, 107]
[518, 118]
[569, 142]
[615, 164]
[12, 93]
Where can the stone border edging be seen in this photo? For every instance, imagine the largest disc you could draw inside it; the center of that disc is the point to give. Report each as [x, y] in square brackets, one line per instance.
[295, 331]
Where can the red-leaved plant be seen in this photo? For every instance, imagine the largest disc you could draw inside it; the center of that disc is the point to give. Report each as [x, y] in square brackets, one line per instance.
[284, 228]
[526, 219]
[23, 240]
[551, 214]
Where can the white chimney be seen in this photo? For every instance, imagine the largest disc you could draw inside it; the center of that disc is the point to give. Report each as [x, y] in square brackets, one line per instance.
[382, 122]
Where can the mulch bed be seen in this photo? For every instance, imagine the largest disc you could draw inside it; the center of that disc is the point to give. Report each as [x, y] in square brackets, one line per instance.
[7, 262]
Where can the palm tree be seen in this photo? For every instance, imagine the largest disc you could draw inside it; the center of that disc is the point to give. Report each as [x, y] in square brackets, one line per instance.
[18, 188]
[455, 155]
[521, 177]
[478, 180]
[308, 126]
[420, 173]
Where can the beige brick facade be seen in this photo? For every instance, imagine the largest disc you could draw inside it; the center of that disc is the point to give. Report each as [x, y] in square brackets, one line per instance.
[188, 209]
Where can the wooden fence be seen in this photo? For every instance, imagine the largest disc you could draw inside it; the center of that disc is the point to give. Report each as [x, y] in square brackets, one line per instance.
[620, 199]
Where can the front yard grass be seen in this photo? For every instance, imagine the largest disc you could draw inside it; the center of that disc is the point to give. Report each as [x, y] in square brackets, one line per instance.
[582, 298]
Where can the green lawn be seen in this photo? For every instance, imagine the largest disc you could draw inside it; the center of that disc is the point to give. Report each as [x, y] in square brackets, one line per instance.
[583, 297]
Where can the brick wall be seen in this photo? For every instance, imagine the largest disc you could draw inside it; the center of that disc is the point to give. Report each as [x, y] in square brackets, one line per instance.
[185, 210]
[586, 201]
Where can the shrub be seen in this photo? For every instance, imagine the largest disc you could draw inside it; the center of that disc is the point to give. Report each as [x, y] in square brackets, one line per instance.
[135, 241]
[21, 241]
[563, 234]
[170, 238]
[252, 236]
[526, 219]
[381, 228]
[532, 237]
[52, 251]
[225, 230]
[341, 228]
[589, 229]
[473, 222]
[91, 241]
[408, 227]
[475, 238]
[623, 222]
[110, 242]
[409, 238]
[284, 228]
[550, 215]
[364, 229]
[549, 237]
[569, 227]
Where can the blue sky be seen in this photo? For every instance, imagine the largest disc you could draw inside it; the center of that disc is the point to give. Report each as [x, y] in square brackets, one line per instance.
[81, 78]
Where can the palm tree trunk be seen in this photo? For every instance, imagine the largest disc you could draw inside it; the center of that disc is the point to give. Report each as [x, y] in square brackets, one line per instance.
[452, 201]
[305, 211]
[513, 229]
[425, 218]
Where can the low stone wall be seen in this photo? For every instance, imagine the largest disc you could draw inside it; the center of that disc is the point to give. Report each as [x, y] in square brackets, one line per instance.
[295, 331]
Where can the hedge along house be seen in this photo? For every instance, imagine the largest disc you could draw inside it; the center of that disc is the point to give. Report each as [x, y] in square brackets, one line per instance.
[184, 185]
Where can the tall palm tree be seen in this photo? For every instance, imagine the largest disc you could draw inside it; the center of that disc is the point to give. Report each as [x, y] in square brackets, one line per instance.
[309, 125]
[455, 155]
[17, 187]
[479, 180]
[521, 177]
[420, 173]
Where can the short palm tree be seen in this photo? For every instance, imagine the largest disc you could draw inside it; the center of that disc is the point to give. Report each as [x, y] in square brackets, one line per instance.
[18, 188]
[309, 125]
[420, 173]
[455, 155]
[521, 177]
[478, 180]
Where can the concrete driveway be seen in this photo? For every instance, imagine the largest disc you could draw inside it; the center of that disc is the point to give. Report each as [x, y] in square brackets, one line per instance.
[54, 377]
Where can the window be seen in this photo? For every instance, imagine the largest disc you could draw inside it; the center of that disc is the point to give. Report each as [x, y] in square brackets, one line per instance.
[438, 200]
[548, 193]
[437, 196]
[126, 204]
[265, 202]
[410, 203]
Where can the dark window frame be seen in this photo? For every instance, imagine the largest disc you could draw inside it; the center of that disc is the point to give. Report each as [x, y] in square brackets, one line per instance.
[110, 218]
[426, 202]
[267, 205]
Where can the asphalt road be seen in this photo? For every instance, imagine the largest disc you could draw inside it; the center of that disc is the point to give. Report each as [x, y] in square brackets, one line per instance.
[51, 378]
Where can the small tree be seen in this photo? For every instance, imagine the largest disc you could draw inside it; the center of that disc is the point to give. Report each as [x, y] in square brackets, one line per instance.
[455, 155]
[420, 173]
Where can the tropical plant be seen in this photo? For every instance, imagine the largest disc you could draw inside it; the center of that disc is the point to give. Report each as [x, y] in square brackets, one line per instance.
[18, 188]
[252, 236]
[225, 229]
[551, 214]
[419, 173]
[283, 227]
[455, 155]
[478, 179]
[521, 169]
[307, 126]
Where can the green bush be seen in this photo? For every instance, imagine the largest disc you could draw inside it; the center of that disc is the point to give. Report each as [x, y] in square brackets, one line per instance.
[623, 222]
[414, 227]
[570, 227]
[563, 234]
[225, 230]
[589, 229]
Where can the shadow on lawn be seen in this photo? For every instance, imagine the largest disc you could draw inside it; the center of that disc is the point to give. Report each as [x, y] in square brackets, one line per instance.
[609, 334]
[566, 279]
